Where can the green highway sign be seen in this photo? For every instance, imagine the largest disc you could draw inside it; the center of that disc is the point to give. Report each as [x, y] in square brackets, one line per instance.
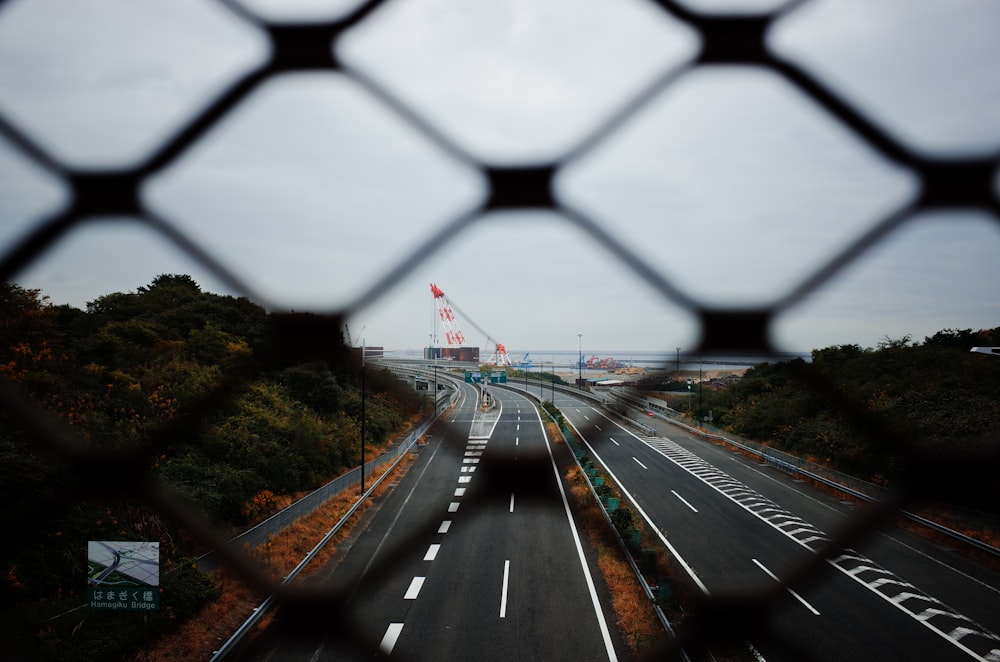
[478, 377]
[123, 575]
[124, 599]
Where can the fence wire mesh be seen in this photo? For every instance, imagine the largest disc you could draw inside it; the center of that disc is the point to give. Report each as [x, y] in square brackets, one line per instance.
[959, 181]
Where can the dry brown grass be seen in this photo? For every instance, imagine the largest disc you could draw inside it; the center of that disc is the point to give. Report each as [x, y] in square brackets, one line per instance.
[633, 610]
[201, 635]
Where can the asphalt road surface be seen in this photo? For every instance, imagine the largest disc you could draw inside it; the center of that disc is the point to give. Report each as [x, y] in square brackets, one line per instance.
[738, 527]
[472, 556]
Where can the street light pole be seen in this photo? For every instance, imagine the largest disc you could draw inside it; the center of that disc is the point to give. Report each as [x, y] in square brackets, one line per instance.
[579, 379]
[362, 416]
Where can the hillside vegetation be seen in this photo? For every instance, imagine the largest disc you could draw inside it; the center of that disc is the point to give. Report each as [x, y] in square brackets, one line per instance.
[903, 410]
[141, 372]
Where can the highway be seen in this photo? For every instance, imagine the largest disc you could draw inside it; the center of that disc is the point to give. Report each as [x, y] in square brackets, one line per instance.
[472, 555]
[738, 526]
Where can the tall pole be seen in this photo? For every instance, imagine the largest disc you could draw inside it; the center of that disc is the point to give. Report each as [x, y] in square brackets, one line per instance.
[579, 379]
[699, 390]
[362, 416]
[552, 375]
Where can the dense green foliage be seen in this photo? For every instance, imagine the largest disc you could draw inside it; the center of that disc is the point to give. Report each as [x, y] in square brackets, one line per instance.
[142, 372]
[936, 396]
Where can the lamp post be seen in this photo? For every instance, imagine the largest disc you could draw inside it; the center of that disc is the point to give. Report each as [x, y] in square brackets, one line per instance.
[699, 390]
[552, 379]
[579, 379]
[362, 416]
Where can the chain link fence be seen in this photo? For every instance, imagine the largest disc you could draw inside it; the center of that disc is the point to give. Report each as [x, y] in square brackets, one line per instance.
[959, 181]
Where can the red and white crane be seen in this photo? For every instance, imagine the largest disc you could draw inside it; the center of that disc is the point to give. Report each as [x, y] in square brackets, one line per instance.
[453, 333]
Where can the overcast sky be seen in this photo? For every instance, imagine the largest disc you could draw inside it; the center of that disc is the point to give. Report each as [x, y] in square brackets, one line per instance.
[730, 183]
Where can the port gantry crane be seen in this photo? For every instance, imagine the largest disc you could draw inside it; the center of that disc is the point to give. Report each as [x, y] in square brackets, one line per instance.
[446, 309]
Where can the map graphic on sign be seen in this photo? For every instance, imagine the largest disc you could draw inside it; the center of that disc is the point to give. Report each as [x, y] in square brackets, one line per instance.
[123, 575]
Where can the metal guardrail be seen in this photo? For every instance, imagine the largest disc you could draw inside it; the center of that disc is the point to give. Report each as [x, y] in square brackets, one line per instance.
[790, 463]
[230, 645]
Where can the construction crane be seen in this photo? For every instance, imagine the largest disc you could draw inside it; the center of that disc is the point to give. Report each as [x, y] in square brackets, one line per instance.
[446, 309]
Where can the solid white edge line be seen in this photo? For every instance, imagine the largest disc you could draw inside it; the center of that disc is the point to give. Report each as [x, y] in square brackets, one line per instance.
[390, 637]
[684, 501]
[605, 633]
[621, 486]
[794, 594]
[503, 590]
[853, 577]
[414, 589]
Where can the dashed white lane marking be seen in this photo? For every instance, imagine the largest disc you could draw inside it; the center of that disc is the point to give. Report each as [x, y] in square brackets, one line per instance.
[503, 592]
[390, 637]
[464, 479]
[511, 502]
[963, 632]
[613, 441]
[639, 463]
[473, 453]
[468, 470]
[453, 507]
[470, 460]
[414, 590]
[432, 552]
[598, 428]
[684, 501]
[459, 491]
[794, 594]
[445, 525]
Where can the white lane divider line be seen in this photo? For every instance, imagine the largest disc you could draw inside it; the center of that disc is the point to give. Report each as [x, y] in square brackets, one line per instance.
[445, 525]
[390, 637]
[459, 491]
[453, 507]
[464, 479]
[517, 441]
[639, 463]
[598, 427]
[468, 470]
[432, 552]
[684, 501]
[613, 441]
[511, 502]
[794, 594]
[414, 590]
[503, 592]
[470, 460]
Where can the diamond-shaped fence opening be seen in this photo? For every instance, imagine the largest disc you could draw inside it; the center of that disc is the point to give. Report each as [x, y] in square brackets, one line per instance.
[317, 152]
[927, 89]
[153, 65]
[578, 123]
[539, 78]
[921, 266]
[796, 178]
